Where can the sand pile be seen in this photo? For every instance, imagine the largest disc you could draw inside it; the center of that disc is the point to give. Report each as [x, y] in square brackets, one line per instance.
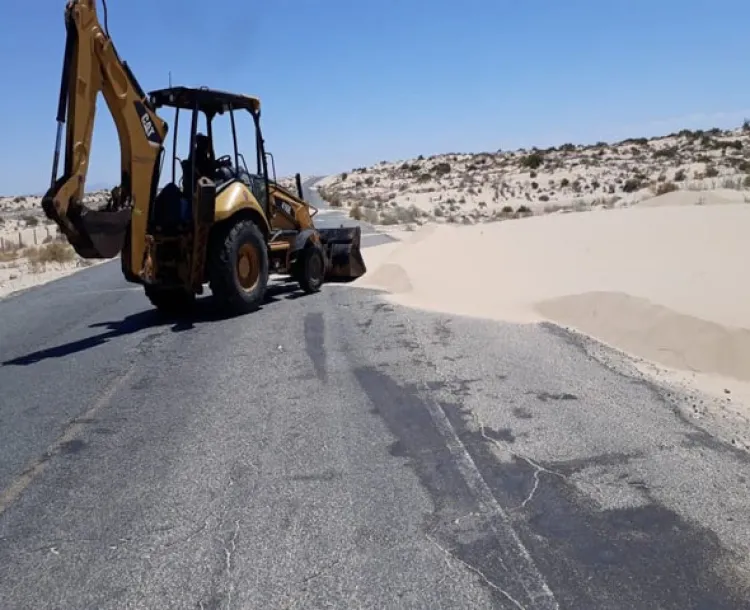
[667, 283]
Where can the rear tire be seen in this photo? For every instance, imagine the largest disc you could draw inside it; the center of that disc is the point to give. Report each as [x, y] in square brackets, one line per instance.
[238, 268]
[170, 301]
[310, 271]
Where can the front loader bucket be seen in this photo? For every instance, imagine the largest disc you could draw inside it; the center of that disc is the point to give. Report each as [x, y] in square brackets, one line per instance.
[345, 262]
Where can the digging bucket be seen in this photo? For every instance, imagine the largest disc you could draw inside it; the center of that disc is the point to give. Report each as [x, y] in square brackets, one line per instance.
[94, 234]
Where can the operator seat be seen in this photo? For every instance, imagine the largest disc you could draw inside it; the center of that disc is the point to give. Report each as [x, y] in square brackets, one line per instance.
[204, 163]
[224, 174]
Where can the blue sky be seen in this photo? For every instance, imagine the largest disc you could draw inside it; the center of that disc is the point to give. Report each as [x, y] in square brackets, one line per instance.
[347, 83]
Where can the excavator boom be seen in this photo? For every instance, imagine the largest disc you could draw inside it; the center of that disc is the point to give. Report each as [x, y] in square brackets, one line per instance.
[92, 65]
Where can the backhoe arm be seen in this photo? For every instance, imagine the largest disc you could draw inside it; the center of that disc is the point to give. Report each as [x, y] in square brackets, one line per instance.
[92, 65]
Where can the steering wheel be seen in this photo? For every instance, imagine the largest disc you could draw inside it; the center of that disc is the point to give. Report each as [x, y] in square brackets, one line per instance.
[224, 161]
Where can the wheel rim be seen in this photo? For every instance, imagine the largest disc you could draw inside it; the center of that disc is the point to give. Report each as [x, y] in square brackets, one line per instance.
[248, 267]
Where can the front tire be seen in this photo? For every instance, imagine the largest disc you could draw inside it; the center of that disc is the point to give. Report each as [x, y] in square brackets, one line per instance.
[170, 301]
[238, 268]
[310, 271]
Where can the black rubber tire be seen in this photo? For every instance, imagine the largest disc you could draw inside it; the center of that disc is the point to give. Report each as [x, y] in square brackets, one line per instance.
[223, 275]
[310, 271]
[170, 301]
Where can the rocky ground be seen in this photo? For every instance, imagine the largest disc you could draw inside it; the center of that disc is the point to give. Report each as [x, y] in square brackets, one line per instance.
[31, 249]
[487, 186]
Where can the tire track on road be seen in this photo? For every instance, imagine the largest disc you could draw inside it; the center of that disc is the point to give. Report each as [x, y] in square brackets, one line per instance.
[69, 441]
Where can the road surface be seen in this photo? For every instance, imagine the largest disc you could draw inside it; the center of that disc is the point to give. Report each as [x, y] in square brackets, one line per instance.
[337, 451]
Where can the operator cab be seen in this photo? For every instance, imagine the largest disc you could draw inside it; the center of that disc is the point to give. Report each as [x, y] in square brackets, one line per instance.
[173, 204]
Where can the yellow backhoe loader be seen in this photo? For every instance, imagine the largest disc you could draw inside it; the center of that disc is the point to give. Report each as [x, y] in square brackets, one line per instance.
[222, 226]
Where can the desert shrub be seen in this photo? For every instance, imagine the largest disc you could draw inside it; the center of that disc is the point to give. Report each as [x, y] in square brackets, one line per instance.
[31, 221]
[711, 172]
[731, 183]
[55, 252]
[543, 198]
[746, 182]
[404, 215]
[388, 218]
[564, 182]
[334, 200]
[370, 215]
[631, 185]
[532, 161]
[666, 187]
[667, 153]
[679, 175]
[506, 212]
[523, 211]
[9, 255]
[442, 168]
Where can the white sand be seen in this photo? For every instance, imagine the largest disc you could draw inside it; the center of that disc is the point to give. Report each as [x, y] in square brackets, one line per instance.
[666, 283]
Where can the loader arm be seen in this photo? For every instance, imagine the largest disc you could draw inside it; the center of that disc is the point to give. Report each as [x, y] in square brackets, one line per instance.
[91, 65]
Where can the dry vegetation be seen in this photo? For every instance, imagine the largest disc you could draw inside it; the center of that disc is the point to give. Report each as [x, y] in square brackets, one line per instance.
[481, 187]
[31, 249]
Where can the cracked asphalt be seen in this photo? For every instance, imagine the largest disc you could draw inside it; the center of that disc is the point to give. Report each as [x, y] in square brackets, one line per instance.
[337, 451]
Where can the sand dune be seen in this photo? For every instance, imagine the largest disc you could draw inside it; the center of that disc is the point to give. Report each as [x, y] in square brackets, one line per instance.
[666, 283]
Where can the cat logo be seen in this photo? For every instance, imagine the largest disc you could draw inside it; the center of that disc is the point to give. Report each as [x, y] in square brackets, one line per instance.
[147, 123]
[148, 126]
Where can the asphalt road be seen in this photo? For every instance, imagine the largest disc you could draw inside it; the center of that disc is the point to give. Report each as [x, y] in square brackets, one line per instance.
[336, 451]
[331, 218]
